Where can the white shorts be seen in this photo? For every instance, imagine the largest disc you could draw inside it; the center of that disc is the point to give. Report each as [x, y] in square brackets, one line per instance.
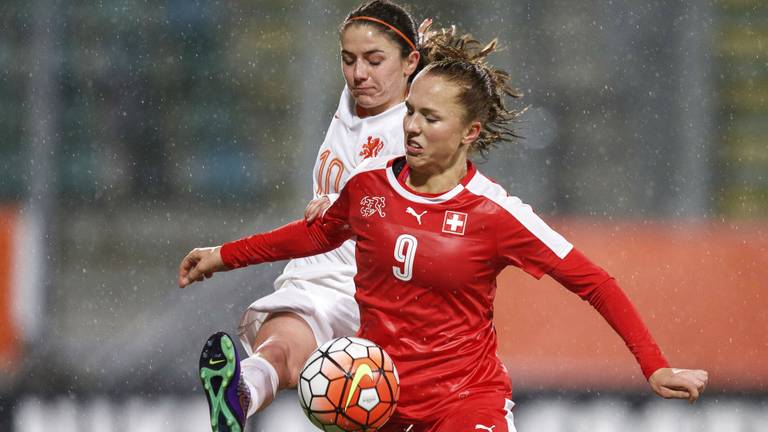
[320, 296]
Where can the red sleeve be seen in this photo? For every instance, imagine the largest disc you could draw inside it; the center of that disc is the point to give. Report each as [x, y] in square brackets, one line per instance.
[527, 242]
[294, 240]
[590, 282]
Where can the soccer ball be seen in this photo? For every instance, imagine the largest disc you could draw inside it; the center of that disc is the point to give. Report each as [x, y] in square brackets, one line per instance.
[349, 384]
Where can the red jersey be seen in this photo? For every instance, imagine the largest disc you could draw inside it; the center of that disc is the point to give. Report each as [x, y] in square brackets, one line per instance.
[426, 277]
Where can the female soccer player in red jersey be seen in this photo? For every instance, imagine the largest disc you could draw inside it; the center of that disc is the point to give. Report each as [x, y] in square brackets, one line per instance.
[432, 233]
[313, 300]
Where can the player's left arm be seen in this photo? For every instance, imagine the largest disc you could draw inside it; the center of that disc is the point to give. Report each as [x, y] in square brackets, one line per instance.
[527, 242]
[594, 285]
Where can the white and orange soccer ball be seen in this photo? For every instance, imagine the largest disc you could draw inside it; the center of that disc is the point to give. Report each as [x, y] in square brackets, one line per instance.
[349, 384]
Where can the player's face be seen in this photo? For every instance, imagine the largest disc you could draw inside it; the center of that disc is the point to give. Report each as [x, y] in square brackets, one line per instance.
[436, 135]
[375, 72]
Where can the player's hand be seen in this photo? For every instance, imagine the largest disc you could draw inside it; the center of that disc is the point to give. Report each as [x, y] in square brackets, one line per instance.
[671, 383]
[200, 264]
[316, 208]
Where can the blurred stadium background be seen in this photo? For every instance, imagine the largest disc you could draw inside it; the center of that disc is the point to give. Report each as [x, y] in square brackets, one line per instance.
[132, 131]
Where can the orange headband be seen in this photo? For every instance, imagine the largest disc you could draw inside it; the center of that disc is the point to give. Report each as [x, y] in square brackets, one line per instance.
[390, 26]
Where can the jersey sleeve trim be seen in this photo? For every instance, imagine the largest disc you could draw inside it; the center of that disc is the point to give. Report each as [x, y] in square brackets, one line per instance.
[523, 213]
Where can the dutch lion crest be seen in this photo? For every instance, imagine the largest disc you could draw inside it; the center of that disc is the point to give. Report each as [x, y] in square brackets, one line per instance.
[372, 147]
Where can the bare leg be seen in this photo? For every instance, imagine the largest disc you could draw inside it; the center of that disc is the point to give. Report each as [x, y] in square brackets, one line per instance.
[284, 340]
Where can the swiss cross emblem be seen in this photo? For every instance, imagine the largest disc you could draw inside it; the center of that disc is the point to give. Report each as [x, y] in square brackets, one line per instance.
[454, 222]
[369, 206]
[372, 147]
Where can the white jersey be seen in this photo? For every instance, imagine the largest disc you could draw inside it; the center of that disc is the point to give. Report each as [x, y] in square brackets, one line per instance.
[349, 141]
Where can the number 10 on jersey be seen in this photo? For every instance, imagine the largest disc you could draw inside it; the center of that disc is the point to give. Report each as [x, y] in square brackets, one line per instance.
[405, 250]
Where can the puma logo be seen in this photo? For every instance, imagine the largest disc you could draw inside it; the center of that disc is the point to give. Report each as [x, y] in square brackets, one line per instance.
[489, 429]
[412, 212]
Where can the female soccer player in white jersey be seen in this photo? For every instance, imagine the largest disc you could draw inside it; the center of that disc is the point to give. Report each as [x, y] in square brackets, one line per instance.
[432, 233]
[313, 299]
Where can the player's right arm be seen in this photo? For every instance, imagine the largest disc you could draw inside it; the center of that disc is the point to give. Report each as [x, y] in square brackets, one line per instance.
[294, 240]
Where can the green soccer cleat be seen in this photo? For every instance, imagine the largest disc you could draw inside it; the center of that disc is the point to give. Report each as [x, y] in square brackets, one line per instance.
[228, 396]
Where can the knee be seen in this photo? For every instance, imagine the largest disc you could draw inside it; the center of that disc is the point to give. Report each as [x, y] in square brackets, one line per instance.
[276, 352]
[285, 341]
[281, 354]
